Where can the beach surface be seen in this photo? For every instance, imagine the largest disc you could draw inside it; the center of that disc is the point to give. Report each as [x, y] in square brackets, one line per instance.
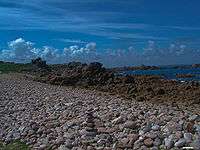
[54, 117]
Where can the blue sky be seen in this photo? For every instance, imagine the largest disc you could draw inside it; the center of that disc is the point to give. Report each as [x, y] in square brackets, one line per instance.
[118, 28]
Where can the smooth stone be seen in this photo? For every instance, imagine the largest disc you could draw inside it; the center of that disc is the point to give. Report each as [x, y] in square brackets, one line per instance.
[130, 125]
[155, 127]
[148, 142]
[89, 129]
[143, 147]
[188, 137]
[123, 143]
[193, 117]
[196, 143]
[157, 142]
[169, 142]
[180, 143]
[197, 128]
[68, 143]
[151, 135]
[63, 147]
[154, 148]
[43, 146]
[90, 148]
[101, 142]
[117, 120]
[178, 135]
[91, 125]
[133, 137]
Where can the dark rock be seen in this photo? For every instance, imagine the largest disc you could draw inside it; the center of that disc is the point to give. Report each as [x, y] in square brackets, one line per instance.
[39, 62]
[128, 79]
[161, 91]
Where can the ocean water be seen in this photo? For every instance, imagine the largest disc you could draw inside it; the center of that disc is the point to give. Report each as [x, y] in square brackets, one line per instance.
[169, 73]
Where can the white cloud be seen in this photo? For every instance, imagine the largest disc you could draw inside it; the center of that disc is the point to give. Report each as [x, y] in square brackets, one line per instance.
[91, 46]
[19, 50]
[23, 51]
[72, 41]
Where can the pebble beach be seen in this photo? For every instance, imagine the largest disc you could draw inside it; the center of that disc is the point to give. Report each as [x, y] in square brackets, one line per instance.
[54, 117]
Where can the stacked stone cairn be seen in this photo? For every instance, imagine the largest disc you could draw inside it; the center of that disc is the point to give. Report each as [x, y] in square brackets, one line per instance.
[90, 131]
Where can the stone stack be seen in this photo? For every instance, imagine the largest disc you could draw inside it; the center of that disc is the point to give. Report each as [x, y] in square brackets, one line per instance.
[89, 132]
[90, 129]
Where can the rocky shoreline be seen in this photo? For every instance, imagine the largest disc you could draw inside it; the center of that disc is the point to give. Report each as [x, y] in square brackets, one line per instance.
[146, 88]
[53, 117]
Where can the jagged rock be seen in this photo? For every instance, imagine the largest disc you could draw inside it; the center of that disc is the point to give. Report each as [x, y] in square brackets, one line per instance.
[39, 62]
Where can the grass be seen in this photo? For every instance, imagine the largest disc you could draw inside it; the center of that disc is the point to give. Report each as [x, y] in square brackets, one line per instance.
[15, 145]
[11, 67]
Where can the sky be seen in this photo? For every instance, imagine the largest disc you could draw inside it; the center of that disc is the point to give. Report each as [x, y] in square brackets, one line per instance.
[114, 32]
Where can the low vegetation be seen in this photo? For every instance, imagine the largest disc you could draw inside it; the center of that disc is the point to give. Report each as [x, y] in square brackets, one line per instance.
[15, 145]
[9, 67]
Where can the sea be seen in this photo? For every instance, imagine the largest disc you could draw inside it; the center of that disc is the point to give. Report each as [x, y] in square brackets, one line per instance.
[169, 73]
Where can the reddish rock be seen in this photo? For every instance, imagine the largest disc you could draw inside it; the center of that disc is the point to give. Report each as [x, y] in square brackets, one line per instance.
[130, 125]
[190, 127]
[132, 138]
[148, 142]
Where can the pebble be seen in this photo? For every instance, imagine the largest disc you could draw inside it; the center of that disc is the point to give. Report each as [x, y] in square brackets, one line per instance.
[157, 142]
[148, 142]
[155, 127]
[117, 120]
[62, 118]
[180, 143]
[169, 142]
[130, 125]
[188, 137]
[193, 117]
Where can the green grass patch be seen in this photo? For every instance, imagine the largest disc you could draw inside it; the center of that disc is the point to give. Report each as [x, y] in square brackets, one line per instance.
[15, 145]
[11, 67]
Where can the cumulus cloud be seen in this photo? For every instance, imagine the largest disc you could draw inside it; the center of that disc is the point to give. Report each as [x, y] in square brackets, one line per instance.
[20, 50]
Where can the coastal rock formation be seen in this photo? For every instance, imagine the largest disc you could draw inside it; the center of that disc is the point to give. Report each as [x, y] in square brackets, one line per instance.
[143, 88]
[81, 74]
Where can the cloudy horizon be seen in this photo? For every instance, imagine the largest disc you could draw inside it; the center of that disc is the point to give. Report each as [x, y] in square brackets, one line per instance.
[121, 33]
